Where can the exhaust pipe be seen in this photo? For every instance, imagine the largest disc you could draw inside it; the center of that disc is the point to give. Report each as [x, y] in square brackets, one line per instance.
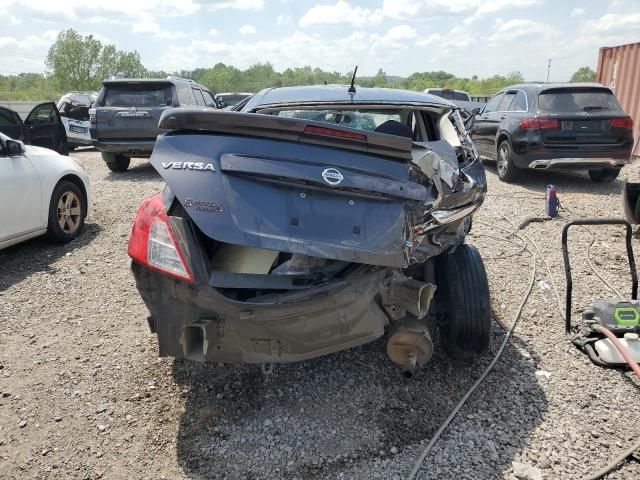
[410, 295]
[409, 344]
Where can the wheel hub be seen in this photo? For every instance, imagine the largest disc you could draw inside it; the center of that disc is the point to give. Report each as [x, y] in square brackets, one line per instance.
[69, 212]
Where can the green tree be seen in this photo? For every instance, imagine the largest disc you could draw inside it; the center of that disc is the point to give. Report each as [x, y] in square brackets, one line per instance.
[584, 74]
[81, 62]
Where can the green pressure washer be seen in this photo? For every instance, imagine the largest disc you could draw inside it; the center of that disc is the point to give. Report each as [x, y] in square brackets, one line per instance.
[621, 317]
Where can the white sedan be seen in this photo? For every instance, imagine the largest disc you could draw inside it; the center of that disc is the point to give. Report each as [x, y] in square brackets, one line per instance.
[41, 192]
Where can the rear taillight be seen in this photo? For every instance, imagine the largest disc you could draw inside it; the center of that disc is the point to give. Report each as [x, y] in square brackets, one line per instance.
[153, 243]
[539, 123]
[622, 123]
[92, 115]
[330, 132]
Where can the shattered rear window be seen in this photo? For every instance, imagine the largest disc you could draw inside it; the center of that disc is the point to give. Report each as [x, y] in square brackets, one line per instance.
[367, 120]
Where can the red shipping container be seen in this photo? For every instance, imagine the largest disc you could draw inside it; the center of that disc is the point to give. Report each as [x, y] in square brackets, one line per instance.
[619, 69]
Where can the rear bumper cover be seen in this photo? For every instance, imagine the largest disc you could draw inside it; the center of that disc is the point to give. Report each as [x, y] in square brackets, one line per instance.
[197, 322]
[142, 148]
[532, 153]
[577, 163]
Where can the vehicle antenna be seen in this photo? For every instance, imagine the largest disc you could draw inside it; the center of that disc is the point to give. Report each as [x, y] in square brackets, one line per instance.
[352, 88]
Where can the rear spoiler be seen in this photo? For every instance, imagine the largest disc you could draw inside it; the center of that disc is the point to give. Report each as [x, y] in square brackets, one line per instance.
[283, 128]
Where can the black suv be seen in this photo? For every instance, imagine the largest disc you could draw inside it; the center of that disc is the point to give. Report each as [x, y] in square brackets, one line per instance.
[579, 126]
[124, 123]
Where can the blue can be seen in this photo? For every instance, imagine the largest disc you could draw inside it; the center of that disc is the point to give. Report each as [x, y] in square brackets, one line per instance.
[551, 202]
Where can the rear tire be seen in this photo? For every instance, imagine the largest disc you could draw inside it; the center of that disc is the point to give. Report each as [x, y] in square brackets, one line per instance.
[67, 211]
[606, 175]
[116, 163]
[463, 289]
[507, 171]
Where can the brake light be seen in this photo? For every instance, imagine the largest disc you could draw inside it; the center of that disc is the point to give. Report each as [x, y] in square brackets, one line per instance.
[92, 115]
[153, 243]
[622, 123]
[539, 123]
[330, 132]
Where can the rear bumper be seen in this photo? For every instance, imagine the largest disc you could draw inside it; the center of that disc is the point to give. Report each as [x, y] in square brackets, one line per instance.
[529, 151]
[130, 148]
[576, 163]
[198, 323]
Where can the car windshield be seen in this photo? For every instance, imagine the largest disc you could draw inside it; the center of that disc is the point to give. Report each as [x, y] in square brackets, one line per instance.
[138, 95]
[577, 100]
[367, 120]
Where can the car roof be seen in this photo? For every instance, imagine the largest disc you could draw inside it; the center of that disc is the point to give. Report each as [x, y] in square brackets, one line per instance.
[541, 86]
[151, 80]
[339, 94]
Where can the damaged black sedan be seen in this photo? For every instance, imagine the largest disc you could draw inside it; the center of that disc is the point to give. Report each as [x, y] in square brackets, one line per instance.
[314, 220]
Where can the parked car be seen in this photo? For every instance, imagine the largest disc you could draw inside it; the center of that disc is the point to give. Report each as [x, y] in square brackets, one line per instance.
[124, 122]
[229, 100]
[42, 127]
[449, 94]
[573, 126]
[458, 97]
[42, 192]
[312, 228]
[74, 112]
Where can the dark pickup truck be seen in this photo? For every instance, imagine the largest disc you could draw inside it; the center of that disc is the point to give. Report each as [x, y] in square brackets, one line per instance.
[124, 122]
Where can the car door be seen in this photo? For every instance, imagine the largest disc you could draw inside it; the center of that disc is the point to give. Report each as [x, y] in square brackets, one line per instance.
[494, 120]
[482, 125]
[11, 124]
[209, 100]
[46, 128]
[20, 196]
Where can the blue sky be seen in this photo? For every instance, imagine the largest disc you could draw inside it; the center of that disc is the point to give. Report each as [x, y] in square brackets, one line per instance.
[464, 37]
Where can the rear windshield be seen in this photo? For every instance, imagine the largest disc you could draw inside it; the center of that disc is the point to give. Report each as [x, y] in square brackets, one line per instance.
[138, 95]
[367, 120]
[577, 100]
[450, 94]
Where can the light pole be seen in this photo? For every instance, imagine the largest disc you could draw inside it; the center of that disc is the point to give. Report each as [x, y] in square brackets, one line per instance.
[548, 69]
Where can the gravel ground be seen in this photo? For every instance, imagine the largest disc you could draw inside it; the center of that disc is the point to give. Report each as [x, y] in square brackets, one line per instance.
[83, 394]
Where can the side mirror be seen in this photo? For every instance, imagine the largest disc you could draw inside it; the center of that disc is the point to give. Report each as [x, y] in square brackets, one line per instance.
[476, 111]
[15, 148]
[222, 104]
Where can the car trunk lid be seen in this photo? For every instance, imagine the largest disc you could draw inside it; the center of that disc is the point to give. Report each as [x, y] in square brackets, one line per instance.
[292, 196]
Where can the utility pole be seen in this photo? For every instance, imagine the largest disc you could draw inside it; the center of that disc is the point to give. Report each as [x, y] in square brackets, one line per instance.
[548, 69]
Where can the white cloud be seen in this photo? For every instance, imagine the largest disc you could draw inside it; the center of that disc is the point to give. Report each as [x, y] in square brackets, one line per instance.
[394, 48]
[412, 9]
[214, 5]
[613, 22]
[507, 31]
[283, 20]
[8, 42]
[213, 32]
[577, 12]
[401, 32]
[341, 13]
[247, 30]
[148, 25]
